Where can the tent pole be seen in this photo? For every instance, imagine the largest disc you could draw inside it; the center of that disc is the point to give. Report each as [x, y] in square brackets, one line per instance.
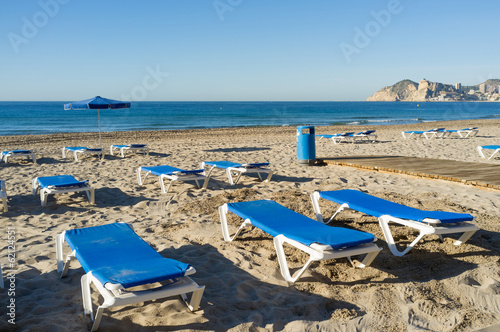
[99, 121]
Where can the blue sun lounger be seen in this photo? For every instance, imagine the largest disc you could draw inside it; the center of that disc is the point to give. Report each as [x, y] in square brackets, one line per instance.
[238, 169]
[134, 148]
[173, 174]
[318, 240]
[427, 222]
[6, 155]
[50, 185]
[495, 148]
[115, 259]
[76, 150]
[338, 138]
[367, 135]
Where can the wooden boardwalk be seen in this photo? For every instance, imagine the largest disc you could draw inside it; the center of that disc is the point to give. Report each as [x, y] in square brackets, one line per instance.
[477, 174]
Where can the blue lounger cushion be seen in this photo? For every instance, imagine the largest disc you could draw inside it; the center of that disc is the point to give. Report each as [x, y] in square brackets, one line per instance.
[337, 135]
[226, 164]
[165, 169]
[79, 148]
[59, 181]
[15, 151]
[378, 207]
[276, 219]
[491, 147]
[115, 253]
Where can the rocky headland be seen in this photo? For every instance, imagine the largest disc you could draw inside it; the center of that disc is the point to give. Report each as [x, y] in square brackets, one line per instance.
[425, 90]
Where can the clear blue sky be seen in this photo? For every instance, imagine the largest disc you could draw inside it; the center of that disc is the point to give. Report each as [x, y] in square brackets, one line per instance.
[247, 50]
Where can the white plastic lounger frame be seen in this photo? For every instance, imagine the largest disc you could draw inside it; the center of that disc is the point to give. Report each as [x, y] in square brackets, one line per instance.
[114, 295]
[239, 171]
[428, 227]
[131, 147]
[85, 151]
[175, 176]
[3, 195]
[495, 148]
[316, 251]
[45, 192]
[17, 154]
[465, 132]
[435, 132]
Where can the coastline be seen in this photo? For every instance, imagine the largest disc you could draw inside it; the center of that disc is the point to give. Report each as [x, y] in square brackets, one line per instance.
[431, 288]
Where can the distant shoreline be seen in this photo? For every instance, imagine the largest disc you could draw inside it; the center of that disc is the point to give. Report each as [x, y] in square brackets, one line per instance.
[143, 135]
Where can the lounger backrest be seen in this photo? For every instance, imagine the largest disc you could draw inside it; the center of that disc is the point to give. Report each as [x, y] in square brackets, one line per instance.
[276, 219]
[378, 207]
[114, 253]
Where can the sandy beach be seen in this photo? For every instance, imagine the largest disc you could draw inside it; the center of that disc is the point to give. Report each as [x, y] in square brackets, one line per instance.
[436, 287]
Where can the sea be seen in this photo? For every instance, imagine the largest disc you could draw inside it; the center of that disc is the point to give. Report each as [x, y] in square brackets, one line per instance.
[34, 118]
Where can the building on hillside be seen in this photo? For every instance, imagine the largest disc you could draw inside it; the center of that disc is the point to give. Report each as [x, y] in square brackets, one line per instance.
[482, 88]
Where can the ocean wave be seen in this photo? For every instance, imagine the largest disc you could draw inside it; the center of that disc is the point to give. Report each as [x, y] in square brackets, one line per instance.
[396, 120]
[491, 116]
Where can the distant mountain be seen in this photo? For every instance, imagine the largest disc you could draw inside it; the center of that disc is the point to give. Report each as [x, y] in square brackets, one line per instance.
[407, 90]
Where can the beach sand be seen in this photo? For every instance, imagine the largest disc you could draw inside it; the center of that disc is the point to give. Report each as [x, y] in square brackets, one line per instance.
[436, 287]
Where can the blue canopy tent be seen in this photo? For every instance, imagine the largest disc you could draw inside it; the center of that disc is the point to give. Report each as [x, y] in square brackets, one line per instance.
[97, 103]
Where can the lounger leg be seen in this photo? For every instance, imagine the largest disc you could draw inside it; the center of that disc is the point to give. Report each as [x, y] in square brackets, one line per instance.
[97, 319]
[63, 153]
[209, 171]
[43, 197]
[384, 224]
[225, 229]
[237, 178]
[205, 183]
[194, 304]
[162, 185]
[34, 186]
[139, 179]
[59, 251]
[341, 208]
[465, 236]
[122, 152]
[86, 298]
[480, 150]
[285, 272]
[494, 153]
[269, 176]
[229, 176]
[91, 196]
[367, 260]
[315, 204]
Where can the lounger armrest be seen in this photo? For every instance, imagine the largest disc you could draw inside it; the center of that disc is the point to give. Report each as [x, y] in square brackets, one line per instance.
[321, 247]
